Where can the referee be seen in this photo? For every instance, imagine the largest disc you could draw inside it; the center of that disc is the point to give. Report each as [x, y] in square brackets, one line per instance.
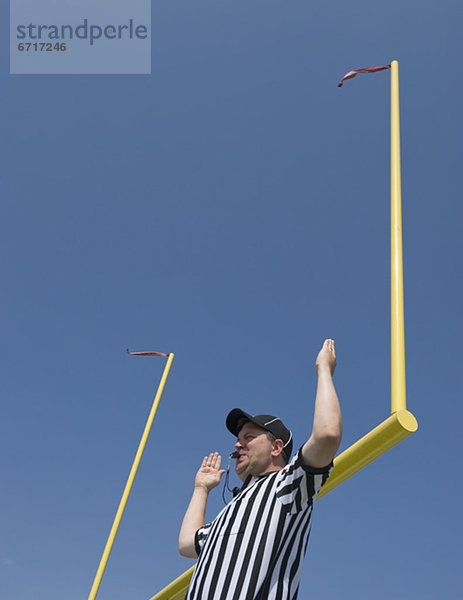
[253, 550]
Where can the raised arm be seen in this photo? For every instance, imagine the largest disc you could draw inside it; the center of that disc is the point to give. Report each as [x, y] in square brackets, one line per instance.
[207, 478]
[324, 442]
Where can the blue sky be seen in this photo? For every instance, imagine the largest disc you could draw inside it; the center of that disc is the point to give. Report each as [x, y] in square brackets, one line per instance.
[231, 207]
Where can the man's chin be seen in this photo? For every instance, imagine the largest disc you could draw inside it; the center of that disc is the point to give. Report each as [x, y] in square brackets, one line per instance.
[241, 471]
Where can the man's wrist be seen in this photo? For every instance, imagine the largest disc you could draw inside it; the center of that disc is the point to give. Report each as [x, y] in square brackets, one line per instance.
[201, 489]
[324, 370]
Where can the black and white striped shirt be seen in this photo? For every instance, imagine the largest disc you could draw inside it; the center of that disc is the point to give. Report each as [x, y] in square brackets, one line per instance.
[253, 550]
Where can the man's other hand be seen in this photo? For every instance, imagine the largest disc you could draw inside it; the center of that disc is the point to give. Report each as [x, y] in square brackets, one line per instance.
[210, 473]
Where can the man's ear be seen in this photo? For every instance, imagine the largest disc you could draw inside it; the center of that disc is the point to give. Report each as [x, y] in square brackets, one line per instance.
[277, 447]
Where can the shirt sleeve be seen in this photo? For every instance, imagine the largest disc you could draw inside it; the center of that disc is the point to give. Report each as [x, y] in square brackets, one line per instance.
[298, 484]
[201, 537]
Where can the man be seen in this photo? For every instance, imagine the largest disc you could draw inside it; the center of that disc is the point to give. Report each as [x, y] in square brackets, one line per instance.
[253, 549]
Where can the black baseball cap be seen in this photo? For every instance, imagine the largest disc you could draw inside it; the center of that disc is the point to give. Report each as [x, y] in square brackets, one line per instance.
[237, 417]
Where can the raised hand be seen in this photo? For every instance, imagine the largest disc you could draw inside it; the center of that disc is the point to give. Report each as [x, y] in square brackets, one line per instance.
[326, 359]
[209, 473]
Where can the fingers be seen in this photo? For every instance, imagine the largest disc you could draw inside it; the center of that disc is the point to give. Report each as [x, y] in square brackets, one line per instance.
[329, 346]
[212, 461]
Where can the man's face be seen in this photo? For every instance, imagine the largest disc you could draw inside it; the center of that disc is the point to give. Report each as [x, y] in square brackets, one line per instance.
[255, 451]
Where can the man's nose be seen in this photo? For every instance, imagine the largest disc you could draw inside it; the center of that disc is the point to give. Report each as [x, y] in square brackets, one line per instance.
[238, 445]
